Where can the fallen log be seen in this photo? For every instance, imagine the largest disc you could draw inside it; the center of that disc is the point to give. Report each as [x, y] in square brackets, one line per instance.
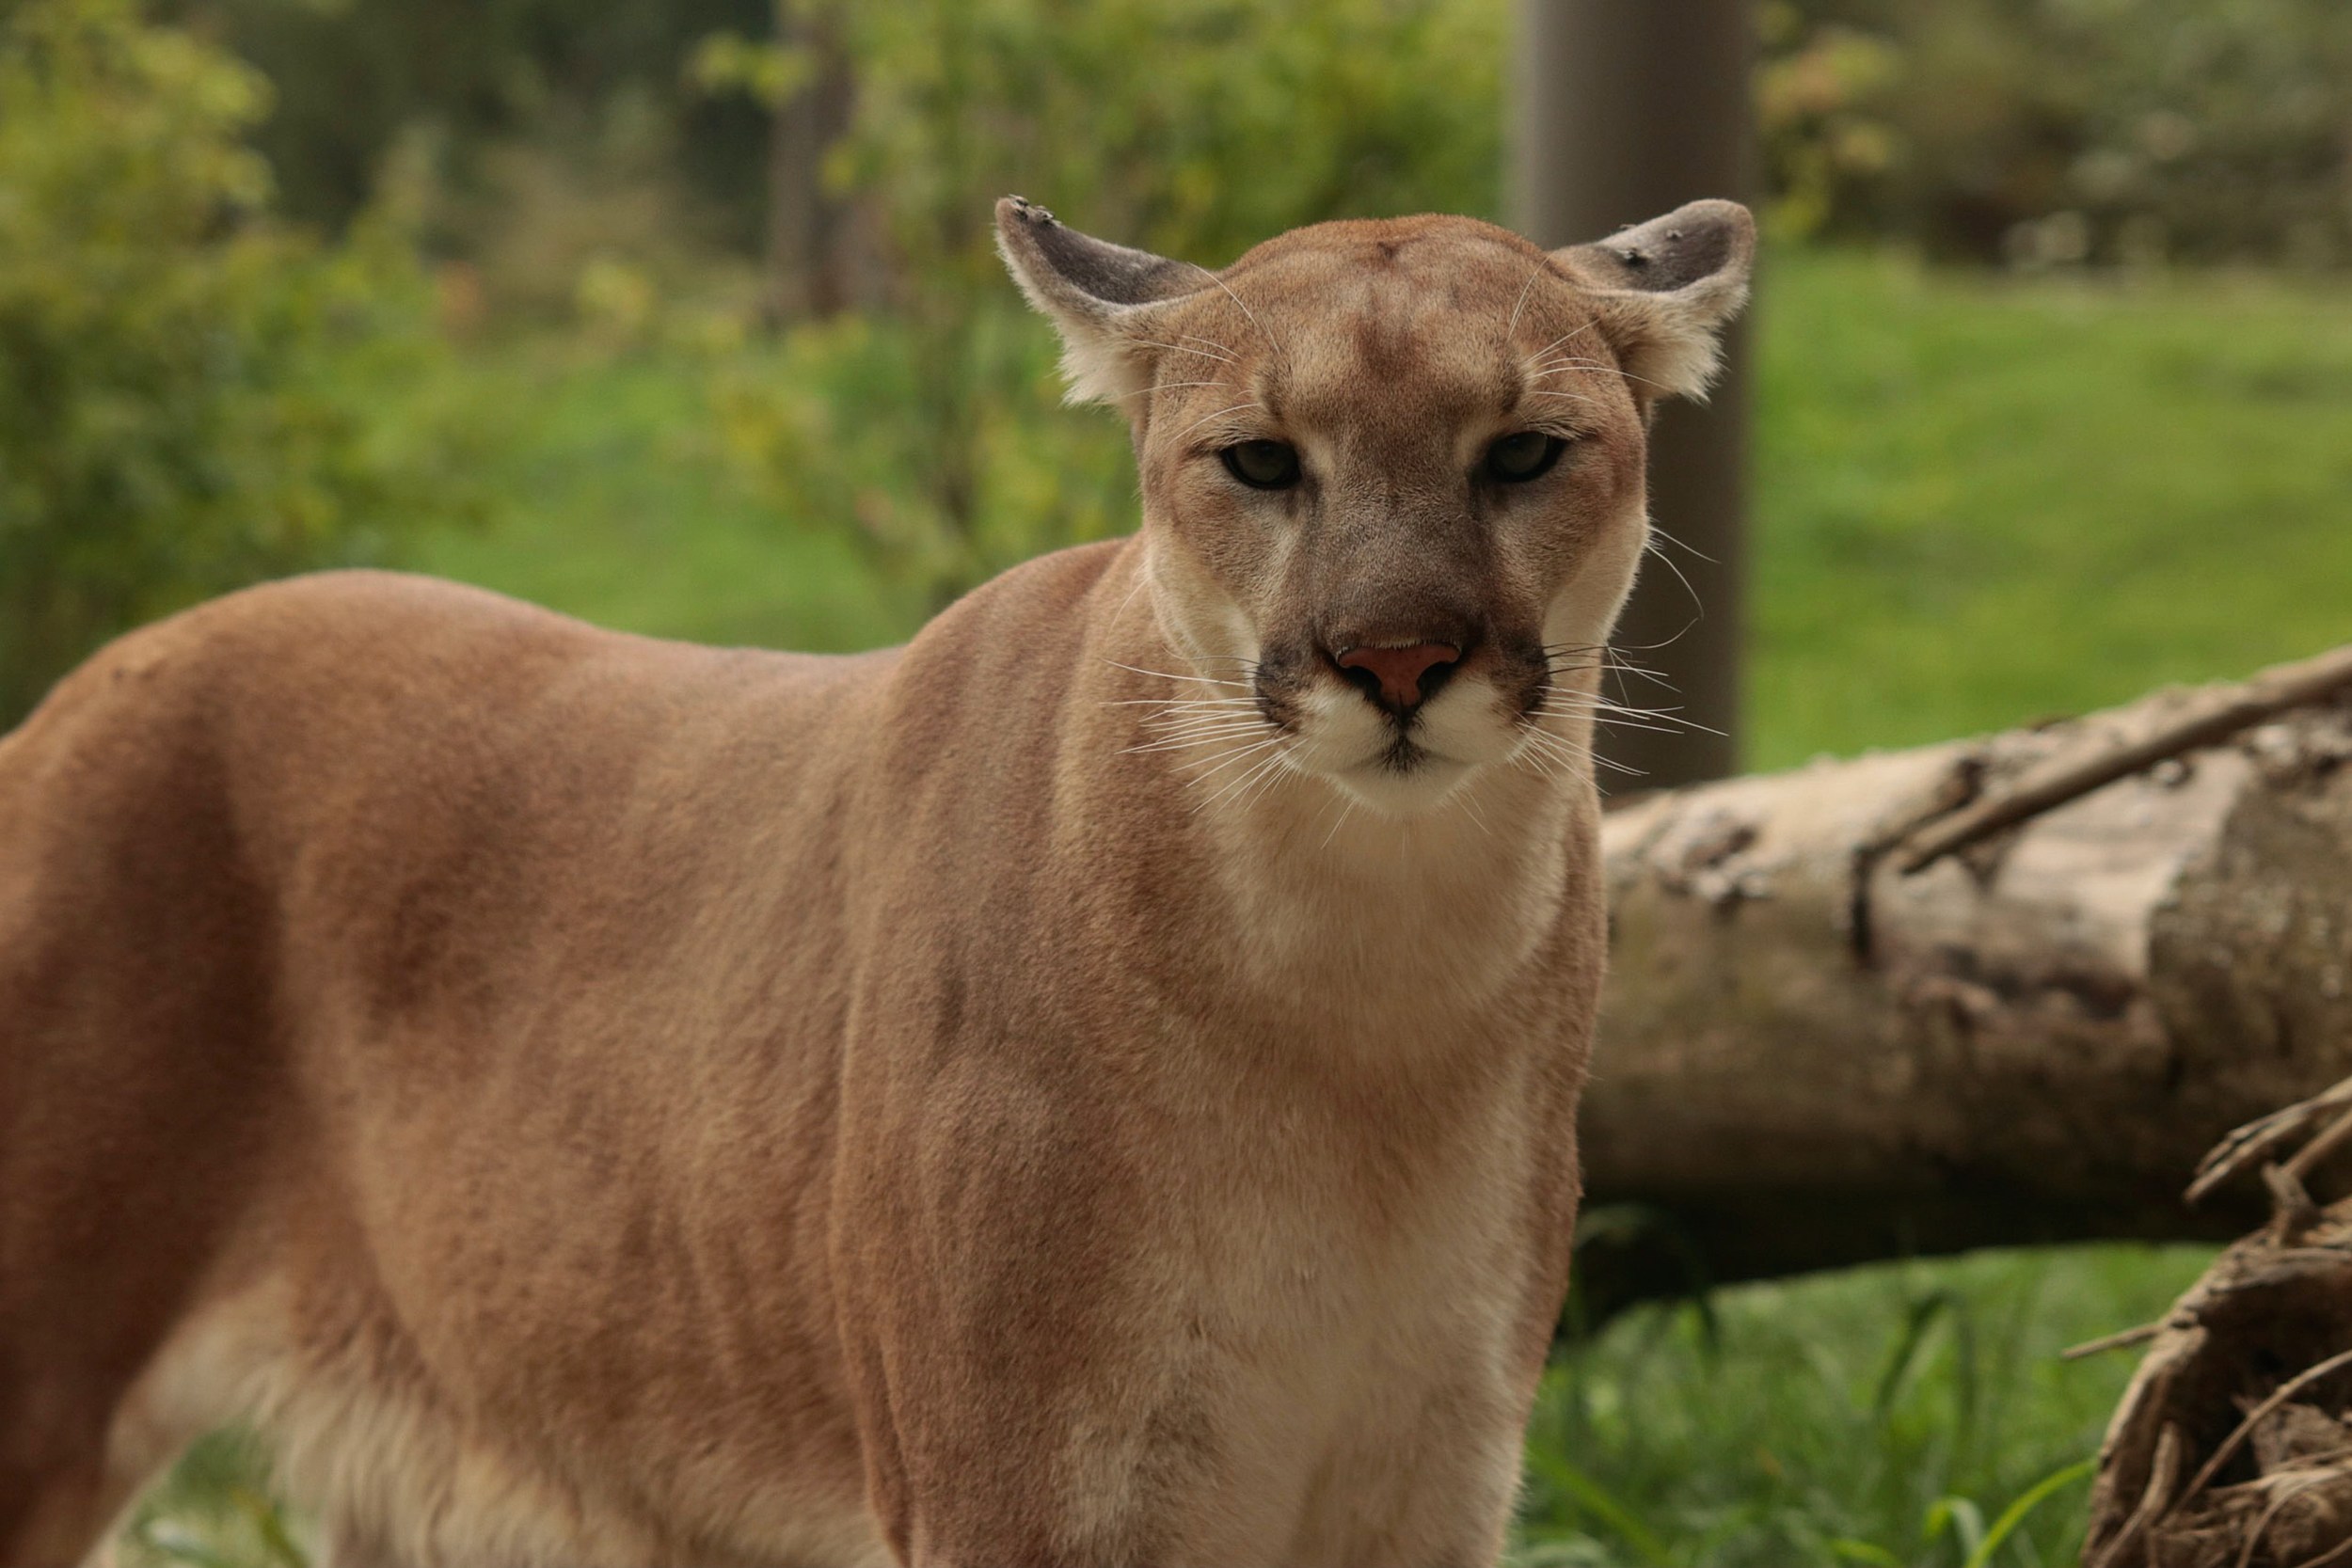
[1992, 991]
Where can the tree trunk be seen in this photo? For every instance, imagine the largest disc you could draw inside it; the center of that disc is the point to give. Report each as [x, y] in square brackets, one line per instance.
[1811, 1054]
[813, 265]
[1626, 111]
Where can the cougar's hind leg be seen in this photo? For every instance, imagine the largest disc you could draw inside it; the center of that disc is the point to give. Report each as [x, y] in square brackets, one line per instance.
[343, 1545]
[74, 1457]
[50, 1514]
[61, 1492]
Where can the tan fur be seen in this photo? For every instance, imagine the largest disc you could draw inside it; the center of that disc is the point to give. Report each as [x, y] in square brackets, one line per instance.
[594, 1100]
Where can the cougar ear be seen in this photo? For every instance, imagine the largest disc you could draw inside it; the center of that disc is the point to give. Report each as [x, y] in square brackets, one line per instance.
[1099, 296]
[1665, 290]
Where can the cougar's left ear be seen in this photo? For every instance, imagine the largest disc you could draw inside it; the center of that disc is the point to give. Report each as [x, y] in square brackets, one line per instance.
[1099, 295]
[1665, 289]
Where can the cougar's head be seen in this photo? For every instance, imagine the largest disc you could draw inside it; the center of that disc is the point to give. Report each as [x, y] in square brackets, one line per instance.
[1392, 471]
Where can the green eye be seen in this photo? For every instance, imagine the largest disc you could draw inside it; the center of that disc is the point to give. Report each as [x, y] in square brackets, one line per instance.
[1529, 455]
[1262, 465]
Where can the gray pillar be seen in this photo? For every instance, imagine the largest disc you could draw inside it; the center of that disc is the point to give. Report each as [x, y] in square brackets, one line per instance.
[1628, 108]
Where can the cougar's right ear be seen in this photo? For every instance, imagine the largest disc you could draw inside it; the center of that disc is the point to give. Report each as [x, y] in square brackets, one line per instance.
[1099, 295]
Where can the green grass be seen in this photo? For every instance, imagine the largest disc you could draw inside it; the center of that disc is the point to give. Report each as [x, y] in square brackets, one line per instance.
[613, 502]
[1979, 502]
[1879, 1415]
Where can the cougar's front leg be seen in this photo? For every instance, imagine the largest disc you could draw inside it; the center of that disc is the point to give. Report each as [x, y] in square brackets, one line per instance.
[1007, 1333]
[1436, 1494]
[972, 1472]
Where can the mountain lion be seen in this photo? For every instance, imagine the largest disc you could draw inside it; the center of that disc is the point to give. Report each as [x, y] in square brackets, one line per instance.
[1093, 1086]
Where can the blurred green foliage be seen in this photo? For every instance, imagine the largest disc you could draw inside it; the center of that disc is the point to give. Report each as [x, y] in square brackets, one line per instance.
[2192, 130]
[602, 162]
[940, 443]
[590, 88]
[1195, 129]
[216, 1510]
[182, 385]
[2057, 132]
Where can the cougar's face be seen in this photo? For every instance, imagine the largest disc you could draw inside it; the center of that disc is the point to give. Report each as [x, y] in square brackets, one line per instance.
[1399, 494]
[1392, 471]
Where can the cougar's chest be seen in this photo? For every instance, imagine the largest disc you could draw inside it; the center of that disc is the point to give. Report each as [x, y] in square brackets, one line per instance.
[1342, 1275]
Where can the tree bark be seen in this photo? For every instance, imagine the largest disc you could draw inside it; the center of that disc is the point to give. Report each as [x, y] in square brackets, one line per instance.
[1626, 111]
[1812, 1056]
[812, 269]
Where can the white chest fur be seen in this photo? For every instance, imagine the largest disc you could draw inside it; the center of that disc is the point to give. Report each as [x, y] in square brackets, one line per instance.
[1330, 1337]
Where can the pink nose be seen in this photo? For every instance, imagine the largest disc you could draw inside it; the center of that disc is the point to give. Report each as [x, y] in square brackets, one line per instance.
[1400, 671]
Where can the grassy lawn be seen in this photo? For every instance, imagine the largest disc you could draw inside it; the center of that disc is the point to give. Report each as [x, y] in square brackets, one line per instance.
[1889, 1415]
[613, 504]
[1980, 501]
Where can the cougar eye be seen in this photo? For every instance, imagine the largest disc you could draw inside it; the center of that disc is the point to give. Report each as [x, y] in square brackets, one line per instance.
[1530, 455]
[1262, 465]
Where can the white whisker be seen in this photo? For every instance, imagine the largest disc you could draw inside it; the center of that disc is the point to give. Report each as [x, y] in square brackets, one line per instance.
[1212, 766]
[1182, 745]
[1168, 386]
[1179, 348]
[1680, 545]
[1246, 779]
[1472, 813]
[1204, 680]
[1217, 719]
[1575, 755]
[1271, 341]
[1215, 414]
[1194, 742]
[1696, 604]
[1600, 704]
[1662, 642]
[1269, 778]
[1513, 325]
[1553, 345]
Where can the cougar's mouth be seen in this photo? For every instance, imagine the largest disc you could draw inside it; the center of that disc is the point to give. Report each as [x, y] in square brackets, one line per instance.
[1403, 754]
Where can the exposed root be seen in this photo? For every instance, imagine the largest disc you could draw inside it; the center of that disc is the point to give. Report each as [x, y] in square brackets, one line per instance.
[2249, 1379]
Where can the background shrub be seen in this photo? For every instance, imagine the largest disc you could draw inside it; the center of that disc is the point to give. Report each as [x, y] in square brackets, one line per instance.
[184, 386]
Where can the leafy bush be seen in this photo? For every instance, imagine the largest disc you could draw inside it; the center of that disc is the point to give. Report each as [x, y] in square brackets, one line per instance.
[2059, 131]
[938, 445]
[1195, 130]
[2041, 130]
[182, 385]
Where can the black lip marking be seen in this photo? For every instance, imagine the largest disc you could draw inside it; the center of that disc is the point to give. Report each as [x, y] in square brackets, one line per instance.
[1276, 684]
